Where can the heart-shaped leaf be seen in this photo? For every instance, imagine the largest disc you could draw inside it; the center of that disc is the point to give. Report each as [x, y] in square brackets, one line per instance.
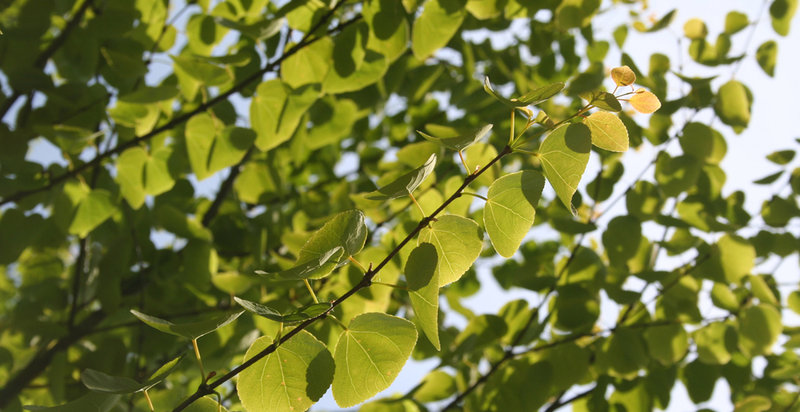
[459, 142]
[189, 330]
[423, 290]
[292, 378]
[509, 210]
[369, 355]
[608, 131]
[405, 184]
[564, 155]
[458, 243]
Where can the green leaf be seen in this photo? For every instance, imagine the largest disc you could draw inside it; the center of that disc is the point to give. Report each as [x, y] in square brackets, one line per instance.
[230, 147]
[676, 174]
[608, 131]
[458, 243]
[202, 71]
[711, 341]
[621, 239]
[753, 403]
[723, 297]
[533, 97]
[433, 29]
[314, 267]
[346, 230]
[623, 354]
[435, 386]
[405, 184]
[130, 174]
[206, 404]
[191, 329]
[703, 143]
[389, 28]
[575, 308]
[603, 100]
[735, 22]
[731, 258]
[423, 290]
[258, 31]
[575, 13]
[662, 23]
[461, 142]
[695, 29]
[309, 65]
[93, 210]
[781, 157]
[733, 105]
[510, 209]
[481, 331]
[369, 355]
[102, 382]
[276, 111]
[292, 378]
[782, 12]
[91, 402]
[297, 316]
[201, 132]
[766, 56]
[371, 70]
[759, 328]
[793, 301]
[520, 385]
[564, 155]
[667, 344]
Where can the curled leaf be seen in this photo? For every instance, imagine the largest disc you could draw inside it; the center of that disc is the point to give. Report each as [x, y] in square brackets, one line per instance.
[462, 141]
[405, 184]
[644, 101]
[623, 76]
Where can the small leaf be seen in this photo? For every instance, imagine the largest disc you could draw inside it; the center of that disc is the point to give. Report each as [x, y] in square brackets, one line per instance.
[782, 12]
[297, 316]
[608, 131]
[423, 290]
[564, 155]
[695, 29]
[733, 105]
[436, 25]
[644, 101]
[102, 382]
[292, 378]
[311, 268]
[369, 355]
[759, 328]
[766, 56]
[435, 386]
[623, 76]
[93, 210]
[667, 344]
[539, 94]
[405, 184]
[603, 100]
[189, 330]
[205, 404]
[458, 243]
[346, 230]
[735, 22]
[510, 209]
[460, 142]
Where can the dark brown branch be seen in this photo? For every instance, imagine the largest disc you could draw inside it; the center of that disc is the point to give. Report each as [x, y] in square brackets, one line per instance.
[206, 389]
[77, 280]
[225, 188]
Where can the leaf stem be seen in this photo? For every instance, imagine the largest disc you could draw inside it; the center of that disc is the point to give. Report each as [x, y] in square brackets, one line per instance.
[463, 161]
[311, 290]
[337, 321]
[511, 133]
[357, 263]
[149, 401]
[421, 210]
[475, 195]
[199, 359]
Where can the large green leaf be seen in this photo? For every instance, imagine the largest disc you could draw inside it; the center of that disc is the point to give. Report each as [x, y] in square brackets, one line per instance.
[730, 259]
[201, 131]
[292, 378]
[510, 209]
[369, 355]
[93, 210]
[276, 111]
[460, 142]
[712, 343]
[564, 155]
[782, 12]
[296, 316]
[733, 105]
[458, 243]
[623, 354]
[229, 148]
[759, 328]
[389, 27]
[140, 174]
[608, 132]
[346, 230]
[191, 329]
[309, 65]
[439, 21]
[575, 308]
[102, 382]
[405, 184]
[668, 343]
[423, 290]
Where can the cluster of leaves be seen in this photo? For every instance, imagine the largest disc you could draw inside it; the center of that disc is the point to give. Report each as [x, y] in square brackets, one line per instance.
[360, 172]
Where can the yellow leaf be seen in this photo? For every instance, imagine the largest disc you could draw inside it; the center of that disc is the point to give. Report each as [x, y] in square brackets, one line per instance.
[623, 76]
[645, 102]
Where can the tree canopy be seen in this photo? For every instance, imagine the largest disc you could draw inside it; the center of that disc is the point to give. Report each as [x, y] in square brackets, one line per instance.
[246, 204]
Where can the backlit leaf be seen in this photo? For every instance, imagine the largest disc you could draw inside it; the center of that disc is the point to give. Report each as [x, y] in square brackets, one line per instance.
[296, 316]
[608, 132]
[668, 343]
[369, 355]
[91, 402]
[423, 290]
[292, 378]
[102, 382]
[766, 56]
[644, 101]
[735, 22]
[458, 243]
[733, 105]
[191, 329]
[564, 155]
[510, 209]
[460, 142]
[759, 328]
[93, 210]
[695, 29]
[782, 12]
[405, 184]
[439, 21]
[623, 76]
[276, 111]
